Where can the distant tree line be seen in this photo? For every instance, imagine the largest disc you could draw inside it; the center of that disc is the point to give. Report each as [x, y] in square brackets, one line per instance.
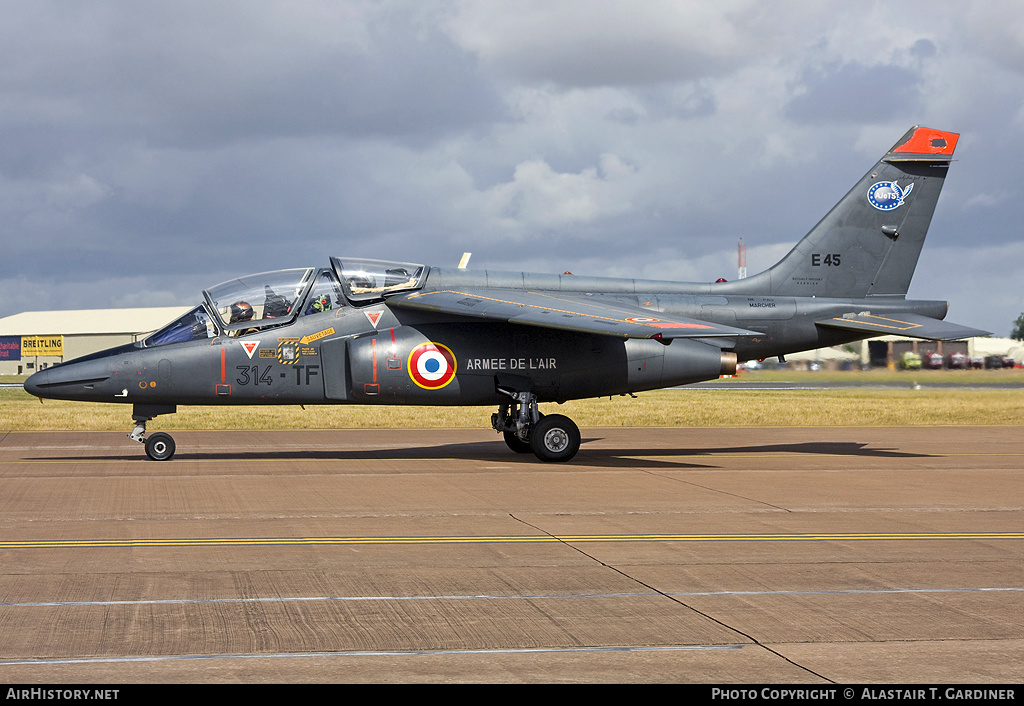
[1018, 328]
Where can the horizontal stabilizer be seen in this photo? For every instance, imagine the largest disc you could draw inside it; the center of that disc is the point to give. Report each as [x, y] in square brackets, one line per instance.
[568, 312]
[913, 325]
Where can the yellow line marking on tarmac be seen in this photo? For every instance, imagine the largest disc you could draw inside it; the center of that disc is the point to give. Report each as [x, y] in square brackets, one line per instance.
[502, 539]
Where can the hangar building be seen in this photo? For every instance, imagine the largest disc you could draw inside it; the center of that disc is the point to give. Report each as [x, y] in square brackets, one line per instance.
[885, 351]
[35, 340]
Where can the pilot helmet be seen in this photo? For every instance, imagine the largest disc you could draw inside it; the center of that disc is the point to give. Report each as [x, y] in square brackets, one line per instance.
[322, 303]
[240, 311]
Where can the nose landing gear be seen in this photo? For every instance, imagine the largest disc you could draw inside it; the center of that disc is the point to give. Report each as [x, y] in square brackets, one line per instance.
[551, 438]
[159, 446]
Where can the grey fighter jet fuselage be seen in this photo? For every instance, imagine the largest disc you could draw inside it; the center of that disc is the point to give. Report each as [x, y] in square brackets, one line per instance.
[378, 332]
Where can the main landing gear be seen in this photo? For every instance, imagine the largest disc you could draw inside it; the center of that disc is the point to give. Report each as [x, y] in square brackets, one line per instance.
[159, 446]
[551, 437]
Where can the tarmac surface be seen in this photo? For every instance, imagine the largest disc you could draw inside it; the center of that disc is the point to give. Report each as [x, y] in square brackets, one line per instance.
[806, 555]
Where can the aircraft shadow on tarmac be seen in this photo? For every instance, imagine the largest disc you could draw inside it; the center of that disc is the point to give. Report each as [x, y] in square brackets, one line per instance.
[496, 452]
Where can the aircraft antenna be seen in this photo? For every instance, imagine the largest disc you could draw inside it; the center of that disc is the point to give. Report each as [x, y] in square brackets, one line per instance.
[742, 260]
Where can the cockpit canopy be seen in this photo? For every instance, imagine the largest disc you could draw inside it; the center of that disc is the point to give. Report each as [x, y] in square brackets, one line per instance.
[194, 325]
[370, 280]
[260, 300]
[271, 299]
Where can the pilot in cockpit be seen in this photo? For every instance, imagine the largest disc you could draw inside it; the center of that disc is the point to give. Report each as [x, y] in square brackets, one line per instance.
[240, 311]
[319, 304]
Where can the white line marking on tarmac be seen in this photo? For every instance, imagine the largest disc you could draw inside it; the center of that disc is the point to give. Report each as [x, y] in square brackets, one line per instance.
[389, 653]
[533, 597]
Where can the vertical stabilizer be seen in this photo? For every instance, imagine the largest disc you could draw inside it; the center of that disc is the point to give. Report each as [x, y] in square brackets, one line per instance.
[869, 243]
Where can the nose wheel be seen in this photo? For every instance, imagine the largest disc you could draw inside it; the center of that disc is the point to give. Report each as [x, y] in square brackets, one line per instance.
[551, 438]
[160, 446]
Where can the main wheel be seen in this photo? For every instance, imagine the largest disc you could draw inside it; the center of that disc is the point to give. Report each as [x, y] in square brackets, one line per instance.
[513, 441]
[555, 438]
[160, 446]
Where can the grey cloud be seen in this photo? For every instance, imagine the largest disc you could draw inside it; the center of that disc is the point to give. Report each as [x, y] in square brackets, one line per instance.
[996, 29]
[206, 78]
[591, 43]
[853, 93]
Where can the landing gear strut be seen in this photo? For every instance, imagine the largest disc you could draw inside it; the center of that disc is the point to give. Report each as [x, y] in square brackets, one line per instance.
[159, 446]
[551, 438]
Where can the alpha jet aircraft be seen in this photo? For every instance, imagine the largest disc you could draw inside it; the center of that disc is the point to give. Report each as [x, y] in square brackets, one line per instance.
[377, 332]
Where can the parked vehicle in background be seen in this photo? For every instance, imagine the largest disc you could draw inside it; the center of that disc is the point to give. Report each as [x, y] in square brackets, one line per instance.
[910, 361]
[958, 361]
[932, 361]
[993, 362]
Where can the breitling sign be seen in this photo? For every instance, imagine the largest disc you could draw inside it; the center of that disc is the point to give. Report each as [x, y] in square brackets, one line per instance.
[42, 345]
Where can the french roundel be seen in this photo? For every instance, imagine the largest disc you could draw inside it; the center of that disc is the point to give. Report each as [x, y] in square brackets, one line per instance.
[431, 365]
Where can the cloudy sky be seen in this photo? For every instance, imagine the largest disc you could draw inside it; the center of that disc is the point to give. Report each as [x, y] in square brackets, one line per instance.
[150, 150]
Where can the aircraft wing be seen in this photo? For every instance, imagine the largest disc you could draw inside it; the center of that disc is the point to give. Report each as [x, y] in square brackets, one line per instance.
[566, 311]
[914, 325]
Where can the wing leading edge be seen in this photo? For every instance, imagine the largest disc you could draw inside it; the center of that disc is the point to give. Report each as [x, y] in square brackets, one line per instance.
[567, 312]
[914, 325]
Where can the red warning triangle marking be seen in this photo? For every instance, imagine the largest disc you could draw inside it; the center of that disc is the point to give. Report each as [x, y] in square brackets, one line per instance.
[250, 347]
[373, 316]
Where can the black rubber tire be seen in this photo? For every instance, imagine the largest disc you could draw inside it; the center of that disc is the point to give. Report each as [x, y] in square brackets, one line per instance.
[513, 441]
[555, 438]
[160, 446]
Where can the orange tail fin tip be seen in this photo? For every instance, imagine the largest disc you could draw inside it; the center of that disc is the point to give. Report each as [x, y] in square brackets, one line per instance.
[928, 141]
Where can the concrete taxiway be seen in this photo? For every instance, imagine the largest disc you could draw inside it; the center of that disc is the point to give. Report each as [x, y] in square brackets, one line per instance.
[809, 555]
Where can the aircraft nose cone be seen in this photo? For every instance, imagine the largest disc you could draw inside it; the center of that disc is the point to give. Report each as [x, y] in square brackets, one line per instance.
[69, 381]
[33, 385]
